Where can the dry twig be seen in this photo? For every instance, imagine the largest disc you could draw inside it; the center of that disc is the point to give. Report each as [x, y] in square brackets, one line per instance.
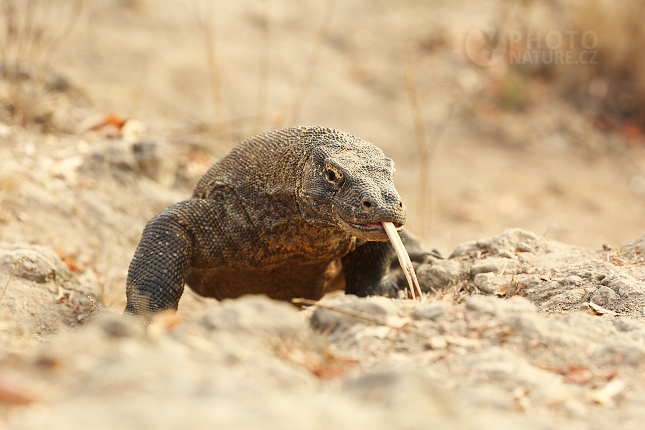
[426, 148]
[11, 276]
[92, 301]
[352, 312]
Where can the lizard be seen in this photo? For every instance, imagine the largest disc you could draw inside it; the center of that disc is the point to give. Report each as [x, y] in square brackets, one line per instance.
[285, 214]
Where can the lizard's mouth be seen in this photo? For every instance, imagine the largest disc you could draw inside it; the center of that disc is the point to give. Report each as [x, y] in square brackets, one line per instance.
[375, 226]
[370, 231]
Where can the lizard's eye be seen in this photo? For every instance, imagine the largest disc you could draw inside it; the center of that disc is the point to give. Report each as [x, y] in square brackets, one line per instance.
[334, 175]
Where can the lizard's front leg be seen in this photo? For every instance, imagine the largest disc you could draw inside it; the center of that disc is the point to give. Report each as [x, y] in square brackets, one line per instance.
[192, 233]
[367, 268]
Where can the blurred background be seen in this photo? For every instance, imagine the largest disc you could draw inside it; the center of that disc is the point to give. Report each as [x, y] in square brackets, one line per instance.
[497, 113]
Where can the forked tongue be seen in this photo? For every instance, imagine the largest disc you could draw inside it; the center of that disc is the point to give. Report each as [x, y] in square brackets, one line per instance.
[404, 259]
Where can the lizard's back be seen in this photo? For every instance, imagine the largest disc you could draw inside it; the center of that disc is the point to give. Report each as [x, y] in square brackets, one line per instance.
[271, 250]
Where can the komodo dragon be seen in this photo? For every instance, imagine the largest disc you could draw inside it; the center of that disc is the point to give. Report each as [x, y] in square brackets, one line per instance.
[281, 215]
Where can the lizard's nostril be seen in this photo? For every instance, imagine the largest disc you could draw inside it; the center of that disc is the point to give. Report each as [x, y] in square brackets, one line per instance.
[400, 204]
[367, 205]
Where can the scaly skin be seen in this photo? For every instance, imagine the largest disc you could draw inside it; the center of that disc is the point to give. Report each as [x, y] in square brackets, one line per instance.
[283, 214]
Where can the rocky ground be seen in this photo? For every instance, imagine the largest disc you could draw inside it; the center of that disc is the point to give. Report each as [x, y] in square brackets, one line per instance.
[514, 331]
[540, 330]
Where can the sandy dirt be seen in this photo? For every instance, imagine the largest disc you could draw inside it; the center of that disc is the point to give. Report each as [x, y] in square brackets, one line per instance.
[520, 329]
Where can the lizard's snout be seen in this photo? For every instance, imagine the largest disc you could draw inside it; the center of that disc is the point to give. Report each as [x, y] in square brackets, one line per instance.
[368, 209]
[368, 205]
[366, 220]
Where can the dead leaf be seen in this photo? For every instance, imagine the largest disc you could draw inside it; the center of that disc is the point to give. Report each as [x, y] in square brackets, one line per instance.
[599, 310]
[16, 391]
[463, 341]
[578, 376]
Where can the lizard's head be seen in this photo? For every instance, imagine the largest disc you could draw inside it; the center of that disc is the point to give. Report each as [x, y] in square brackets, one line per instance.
[348, 182]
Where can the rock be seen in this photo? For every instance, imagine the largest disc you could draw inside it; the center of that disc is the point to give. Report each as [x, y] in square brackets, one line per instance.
[438, 342]
[330, 321]
[625, 285]
[571, 299]
[530, 327]
[620, 353]
[527, 247]
[146, 155]
[517, 304]
[541, 291]
[118, 327]
[504, 369]
[483, 305]
[494, 265]
[501, 308]
[405, 389]
[628, 324]
[508, 242]
[255, 314]
[555, 276]
[439, 274]
[572, 280]
[432, 311]
[489, 283]
[636, 246]
[523, 247]
[42, 265]
[117, 154]
[43, 292]
[153, 159]
[604, 296]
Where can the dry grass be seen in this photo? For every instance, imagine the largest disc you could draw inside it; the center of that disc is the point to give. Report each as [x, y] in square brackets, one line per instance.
[263, 66]
[312, 62]
[426, 149]
[608, 80]
[227, 130]
[617, 82]
[422, 148]
[32, 39]
[203, 16]
[346, 311]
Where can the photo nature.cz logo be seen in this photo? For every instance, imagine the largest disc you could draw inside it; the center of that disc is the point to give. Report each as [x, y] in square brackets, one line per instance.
[487, 46]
